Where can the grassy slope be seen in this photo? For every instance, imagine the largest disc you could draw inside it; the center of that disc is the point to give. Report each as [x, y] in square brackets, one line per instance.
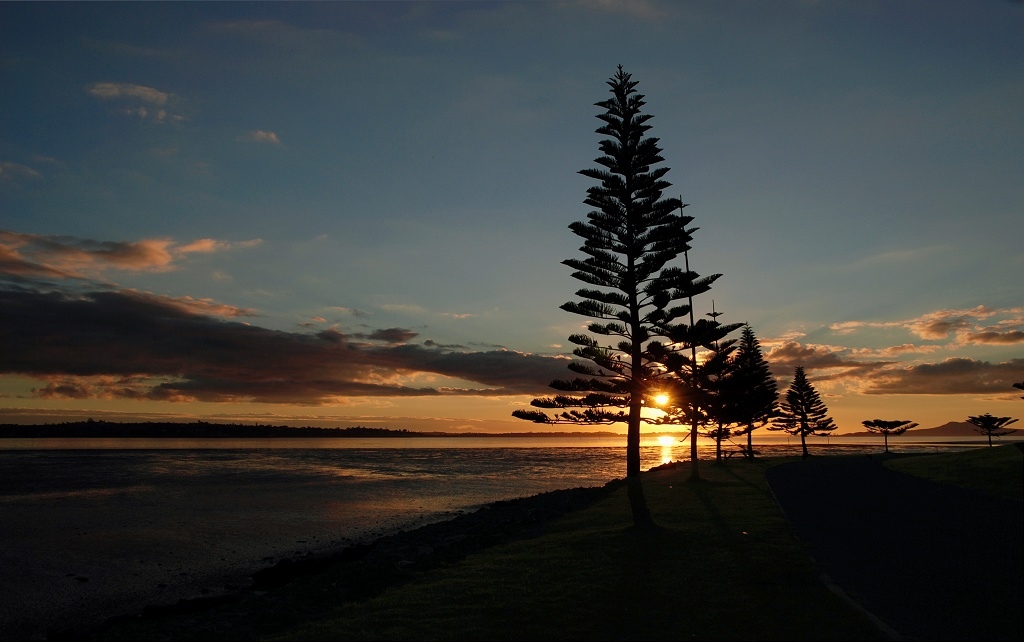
[722, 566]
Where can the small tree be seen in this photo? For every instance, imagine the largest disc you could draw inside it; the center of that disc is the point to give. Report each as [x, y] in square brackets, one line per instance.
[991, 426]
[888, 427]
[716, 375]
[803, 412]
[696, 387]
[752, 392]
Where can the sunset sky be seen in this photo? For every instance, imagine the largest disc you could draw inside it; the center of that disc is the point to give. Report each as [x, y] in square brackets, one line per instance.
[349, 213]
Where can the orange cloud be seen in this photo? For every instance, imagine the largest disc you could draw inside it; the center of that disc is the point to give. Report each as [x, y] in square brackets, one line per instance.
[994, 337]
[72, 257]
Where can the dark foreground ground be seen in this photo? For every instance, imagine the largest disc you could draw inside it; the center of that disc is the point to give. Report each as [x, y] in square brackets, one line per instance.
[929, 561]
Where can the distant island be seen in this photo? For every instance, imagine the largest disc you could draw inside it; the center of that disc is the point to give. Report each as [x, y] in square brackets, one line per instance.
[207, 430]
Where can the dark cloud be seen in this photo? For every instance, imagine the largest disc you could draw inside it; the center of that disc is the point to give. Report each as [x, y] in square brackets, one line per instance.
[994, 337]
[126, 344]
[950, 377]
[392, 335]
[430, 343]
[828, 362]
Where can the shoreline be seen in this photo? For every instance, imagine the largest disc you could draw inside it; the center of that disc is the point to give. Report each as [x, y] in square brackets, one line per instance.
[373, 564]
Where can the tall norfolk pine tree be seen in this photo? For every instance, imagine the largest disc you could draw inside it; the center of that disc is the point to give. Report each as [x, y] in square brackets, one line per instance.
[629, 238]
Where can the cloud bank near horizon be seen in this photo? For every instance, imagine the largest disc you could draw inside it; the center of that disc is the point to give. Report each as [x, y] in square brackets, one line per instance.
[88, 339]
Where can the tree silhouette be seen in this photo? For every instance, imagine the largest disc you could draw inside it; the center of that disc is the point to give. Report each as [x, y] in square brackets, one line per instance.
[888, 427]
[1019, 386]
[719, 369]
[717, 373]
[629, 239]
[986, 424]
[803, 412]
[752, 392]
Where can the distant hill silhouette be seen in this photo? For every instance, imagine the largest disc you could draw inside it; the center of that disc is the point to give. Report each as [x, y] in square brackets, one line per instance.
[202, 429]
[112, 429]
[950, 429]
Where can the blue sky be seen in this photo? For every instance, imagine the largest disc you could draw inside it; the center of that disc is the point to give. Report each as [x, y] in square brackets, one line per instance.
[349, 213]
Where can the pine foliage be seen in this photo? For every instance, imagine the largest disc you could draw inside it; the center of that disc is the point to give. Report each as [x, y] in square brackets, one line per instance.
[802, 412]
[752, 391]
[990, 425]
[888, 427]
[634, 297]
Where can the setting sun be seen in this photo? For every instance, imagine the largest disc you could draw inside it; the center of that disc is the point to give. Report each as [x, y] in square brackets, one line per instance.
[661, 399]
[666, 440]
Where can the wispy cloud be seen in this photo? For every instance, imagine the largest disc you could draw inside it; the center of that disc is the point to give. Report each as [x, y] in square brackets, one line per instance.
[260, 136]
[110, 90]
[895, 351]
[354, 312]
[11, 171]
[963, 324]
[145, 103]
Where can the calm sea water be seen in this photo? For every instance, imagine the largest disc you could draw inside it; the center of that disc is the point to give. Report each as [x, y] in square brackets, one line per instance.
[92, 527]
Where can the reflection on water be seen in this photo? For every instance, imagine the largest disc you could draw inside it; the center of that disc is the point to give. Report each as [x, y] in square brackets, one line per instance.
[666, 454]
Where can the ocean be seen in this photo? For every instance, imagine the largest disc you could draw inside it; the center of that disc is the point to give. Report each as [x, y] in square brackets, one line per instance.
[91, 528]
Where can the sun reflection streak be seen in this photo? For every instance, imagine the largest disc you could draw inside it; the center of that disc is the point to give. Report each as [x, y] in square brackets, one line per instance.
[666, 442]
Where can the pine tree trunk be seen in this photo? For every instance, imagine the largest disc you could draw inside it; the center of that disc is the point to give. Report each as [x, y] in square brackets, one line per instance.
[694, 465]
[638, 503]
[633, 438]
